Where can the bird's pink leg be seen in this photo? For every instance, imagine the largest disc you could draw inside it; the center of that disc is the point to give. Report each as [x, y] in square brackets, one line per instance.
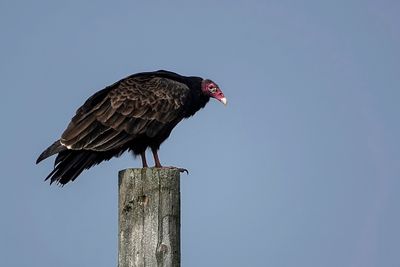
[144, 162]
[156, 159]
[158, 164]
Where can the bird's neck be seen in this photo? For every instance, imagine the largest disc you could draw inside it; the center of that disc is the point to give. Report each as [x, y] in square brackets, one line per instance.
[196, 102]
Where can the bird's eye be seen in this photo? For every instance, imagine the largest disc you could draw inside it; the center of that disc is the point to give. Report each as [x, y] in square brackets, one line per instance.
[213, 89]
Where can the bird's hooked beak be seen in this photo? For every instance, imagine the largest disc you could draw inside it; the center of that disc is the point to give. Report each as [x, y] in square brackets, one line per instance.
[220, 97]
[223, 101]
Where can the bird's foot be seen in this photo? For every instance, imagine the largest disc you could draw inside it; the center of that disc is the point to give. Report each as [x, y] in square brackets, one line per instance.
[172, 167]
[183, 170]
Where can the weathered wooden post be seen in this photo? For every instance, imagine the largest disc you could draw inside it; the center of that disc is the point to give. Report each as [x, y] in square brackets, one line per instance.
[149, 217]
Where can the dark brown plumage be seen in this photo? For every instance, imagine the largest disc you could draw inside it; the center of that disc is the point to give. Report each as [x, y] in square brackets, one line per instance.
[134, 113]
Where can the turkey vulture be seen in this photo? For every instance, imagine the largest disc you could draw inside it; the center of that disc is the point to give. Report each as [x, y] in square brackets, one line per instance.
[133, 114]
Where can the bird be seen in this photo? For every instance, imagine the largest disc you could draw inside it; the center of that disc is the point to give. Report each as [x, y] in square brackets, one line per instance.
[134, 114]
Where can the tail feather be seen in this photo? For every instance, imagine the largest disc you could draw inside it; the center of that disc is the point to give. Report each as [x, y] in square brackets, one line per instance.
[55, 148]
[69, 164]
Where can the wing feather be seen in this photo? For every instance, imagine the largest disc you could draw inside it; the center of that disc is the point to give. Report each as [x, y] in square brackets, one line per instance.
[114, 140]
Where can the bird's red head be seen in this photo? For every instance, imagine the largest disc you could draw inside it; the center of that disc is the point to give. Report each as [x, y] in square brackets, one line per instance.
[211, 89]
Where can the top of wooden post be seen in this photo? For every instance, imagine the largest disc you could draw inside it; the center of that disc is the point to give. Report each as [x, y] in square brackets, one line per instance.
[148, 172]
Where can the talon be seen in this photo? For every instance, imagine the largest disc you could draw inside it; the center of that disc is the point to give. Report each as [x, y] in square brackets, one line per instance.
[183, 170]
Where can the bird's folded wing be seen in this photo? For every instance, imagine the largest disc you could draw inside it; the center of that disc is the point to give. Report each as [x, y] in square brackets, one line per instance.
[133, 107]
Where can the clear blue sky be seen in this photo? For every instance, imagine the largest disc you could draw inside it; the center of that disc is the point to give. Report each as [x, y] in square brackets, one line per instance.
[300, 169]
